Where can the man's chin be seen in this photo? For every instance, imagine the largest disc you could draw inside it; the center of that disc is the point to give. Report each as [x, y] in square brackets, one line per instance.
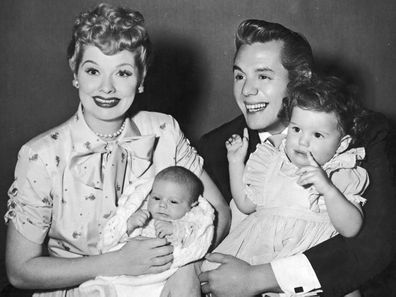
[256, 124]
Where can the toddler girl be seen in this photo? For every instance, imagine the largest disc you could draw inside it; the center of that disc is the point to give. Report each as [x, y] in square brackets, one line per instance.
[307, 191]
[175, 210]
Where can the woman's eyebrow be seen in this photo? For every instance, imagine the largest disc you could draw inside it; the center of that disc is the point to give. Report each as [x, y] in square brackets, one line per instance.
[89, 61]
[118, 66]
[125, 64]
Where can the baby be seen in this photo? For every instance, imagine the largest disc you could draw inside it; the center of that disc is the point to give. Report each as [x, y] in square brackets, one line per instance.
[174, 209]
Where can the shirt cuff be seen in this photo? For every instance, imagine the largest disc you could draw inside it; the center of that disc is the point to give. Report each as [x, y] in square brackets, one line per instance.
[295, 275]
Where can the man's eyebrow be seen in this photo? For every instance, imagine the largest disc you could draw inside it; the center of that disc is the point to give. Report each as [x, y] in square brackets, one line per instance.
[235, 67]
[259, 69]
[263, 69]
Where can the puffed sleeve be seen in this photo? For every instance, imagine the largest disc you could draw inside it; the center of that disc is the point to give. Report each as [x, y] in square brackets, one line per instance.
[186, 154]
[30, 201]
[352, 183]
[172, 147]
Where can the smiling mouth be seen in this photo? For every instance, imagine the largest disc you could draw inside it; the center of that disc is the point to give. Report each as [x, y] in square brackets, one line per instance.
[106, 102]
[255, 107]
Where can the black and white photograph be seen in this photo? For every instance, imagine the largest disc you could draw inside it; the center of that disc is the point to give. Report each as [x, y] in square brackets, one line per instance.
[176, 148]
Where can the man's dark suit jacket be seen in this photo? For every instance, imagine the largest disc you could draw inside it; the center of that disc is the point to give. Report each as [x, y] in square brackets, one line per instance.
[341, 264]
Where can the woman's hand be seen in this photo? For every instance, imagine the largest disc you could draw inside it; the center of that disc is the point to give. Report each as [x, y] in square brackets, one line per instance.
[141, 255]
[28, 268]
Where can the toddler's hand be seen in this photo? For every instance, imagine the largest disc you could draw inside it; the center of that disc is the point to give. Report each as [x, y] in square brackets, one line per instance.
[237, 147]
[163, 228]
[313, 174]
[137, 219]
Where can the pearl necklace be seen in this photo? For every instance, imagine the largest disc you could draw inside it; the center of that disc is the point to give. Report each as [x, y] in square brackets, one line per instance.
[112, 135]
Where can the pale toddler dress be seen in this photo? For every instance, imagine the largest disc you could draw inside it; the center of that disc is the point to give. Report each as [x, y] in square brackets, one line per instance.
[289, 218]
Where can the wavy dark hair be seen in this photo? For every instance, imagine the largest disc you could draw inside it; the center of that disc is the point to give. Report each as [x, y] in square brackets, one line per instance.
[330, 94]
[111, 29]
[296, 55]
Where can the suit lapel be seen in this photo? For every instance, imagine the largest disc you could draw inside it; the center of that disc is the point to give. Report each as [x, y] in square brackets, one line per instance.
[254, 139]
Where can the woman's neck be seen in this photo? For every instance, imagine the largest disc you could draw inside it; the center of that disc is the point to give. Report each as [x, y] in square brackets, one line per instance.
[106, 129]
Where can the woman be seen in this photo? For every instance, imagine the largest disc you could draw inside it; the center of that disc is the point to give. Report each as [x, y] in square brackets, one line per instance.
[68, 180]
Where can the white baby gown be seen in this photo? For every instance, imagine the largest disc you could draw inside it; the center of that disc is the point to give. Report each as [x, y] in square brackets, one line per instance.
[192, 237]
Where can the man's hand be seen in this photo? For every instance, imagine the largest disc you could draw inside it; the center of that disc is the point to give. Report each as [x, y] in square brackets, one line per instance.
[233, 278]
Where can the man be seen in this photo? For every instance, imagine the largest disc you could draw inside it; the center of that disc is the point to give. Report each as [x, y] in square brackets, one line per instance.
[270, 59]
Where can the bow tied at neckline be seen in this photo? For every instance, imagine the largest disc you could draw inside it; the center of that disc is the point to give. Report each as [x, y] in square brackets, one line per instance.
[92, 162]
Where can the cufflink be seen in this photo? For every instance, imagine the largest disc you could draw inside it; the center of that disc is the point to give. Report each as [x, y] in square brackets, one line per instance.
[298, 290]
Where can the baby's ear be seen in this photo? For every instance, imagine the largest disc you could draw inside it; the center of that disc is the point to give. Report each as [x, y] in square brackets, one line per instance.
[195, 203]
[344, 144]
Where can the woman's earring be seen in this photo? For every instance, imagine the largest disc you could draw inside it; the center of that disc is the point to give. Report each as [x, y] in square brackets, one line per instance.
[141, 89]
[75, 83]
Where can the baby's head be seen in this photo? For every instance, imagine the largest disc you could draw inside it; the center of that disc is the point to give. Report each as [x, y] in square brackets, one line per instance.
[322, 120]
[175, 190]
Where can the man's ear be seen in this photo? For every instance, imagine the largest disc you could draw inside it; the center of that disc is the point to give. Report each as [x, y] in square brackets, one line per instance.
[344, 144]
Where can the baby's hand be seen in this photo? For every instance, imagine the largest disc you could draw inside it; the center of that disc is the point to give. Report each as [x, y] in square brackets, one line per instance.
[137, 219]
[237, 147]
[163, 228]
[314, 175]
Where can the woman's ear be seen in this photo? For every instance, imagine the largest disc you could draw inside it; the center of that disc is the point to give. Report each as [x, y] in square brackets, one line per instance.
[72, 65]
[344, 144]
[141, 83]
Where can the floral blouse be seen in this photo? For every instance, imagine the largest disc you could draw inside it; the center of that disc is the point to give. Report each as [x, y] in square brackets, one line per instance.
[68, 180]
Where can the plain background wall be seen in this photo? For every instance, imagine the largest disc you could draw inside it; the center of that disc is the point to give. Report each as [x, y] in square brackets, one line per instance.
[191, 77]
